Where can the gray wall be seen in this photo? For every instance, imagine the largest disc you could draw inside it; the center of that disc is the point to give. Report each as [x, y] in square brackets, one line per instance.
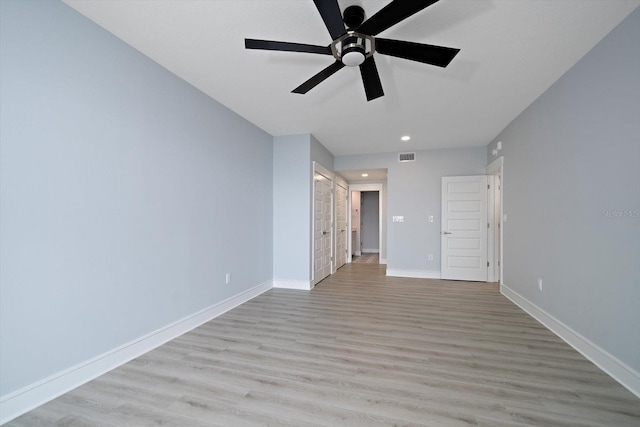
[293, 157]
[291, 212]
[370, 221]
[320, 154]
[125, 195]
[572, 196]
[413, 190]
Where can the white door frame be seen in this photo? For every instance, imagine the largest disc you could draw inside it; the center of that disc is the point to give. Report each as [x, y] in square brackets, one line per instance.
[339, 181]
[496, 168]
[318, 168]
[367, 187]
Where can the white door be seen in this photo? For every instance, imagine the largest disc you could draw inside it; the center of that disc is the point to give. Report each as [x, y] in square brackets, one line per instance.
[464, 228]
[341, 225]
[322, 216]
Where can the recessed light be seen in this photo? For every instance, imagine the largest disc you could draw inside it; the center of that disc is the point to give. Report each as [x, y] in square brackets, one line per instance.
[405, 138]
[365, 175]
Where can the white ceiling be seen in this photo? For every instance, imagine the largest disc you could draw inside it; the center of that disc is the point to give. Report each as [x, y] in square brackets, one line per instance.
[511, 52]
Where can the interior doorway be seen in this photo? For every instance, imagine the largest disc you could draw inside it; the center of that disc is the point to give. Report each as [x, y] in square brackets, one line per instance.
[369, 228]
[366, 224]
[365, 227]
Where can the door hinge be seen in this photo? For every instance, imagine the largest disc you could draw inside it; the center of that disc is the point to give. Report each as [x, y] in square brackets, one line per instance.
[487, 263]
[488, 225]
[488, 186]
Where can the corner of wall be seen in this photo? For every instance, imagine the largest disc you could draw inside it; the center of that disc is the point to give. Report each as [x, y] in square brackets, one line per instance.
[622, 373]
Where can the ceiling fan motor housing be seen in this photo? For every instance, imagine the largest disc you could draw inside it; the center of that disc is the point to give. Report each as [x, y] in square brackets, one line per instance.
[353, 16]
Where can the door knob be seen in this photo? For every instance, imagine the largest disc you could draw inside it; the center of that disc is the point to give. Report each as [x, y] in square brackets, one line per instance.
[446, 232]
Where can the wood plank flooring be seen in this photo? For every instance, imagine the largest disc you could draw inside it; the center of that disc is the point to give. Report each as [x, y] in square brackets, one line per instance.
[361, 349]
[366, 258]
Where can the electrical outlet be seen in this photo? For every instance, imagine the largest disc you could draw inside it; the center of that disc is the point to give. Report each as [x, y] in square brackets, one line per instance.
[430, 218]
[398, 218]
[430, 257]
[227, 278]
[540, 284]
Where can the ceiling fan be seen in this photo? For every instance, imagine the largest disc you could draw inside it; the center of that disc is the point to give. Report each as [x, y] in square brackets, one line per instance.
[355, 45]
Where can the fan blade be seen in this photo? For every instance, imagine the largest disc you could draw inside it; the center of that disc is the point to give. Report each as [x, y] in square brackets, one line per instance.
[371, 79]
[391, 14]
[435, 55]
[286, 46]
[318, 78]
[332, 17]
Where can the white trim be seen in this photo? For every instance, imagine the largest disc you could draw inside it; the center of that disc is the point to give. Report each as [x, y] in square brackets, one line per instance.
[303, 285]
[618, 370]
[340, 182]
[366, 187]
[491, 203]
[370, 251]
[321, 170]
[382, 261]
[30, 397]
[497, 168]
[379, 187]
[317, 167]
[416, 274]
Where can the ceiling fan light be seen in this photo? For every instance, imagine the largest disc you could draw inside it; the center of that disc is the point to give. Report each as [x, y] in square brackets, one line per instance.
[352, 57]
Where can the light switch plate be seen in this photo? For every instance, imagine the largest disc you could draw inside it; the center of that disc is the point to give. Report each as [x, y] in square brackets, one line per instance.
[398, 218]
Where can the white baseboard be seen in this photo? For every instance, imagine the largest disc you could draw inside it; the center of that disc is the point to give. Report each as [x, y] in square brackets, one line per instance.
[370, 251]
[382, 261]
[416, 274]
[303, 285]
[21, 401]
[618, 370]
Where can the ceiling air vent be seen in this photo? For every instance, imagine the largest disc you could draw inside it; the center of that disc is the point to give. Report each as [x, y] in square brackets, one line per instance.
[406, 157]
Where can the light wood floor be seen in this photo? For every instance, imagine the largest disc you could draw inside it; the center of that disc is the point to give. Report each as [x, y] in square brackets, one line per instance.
[361, 349]
[366, 259]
